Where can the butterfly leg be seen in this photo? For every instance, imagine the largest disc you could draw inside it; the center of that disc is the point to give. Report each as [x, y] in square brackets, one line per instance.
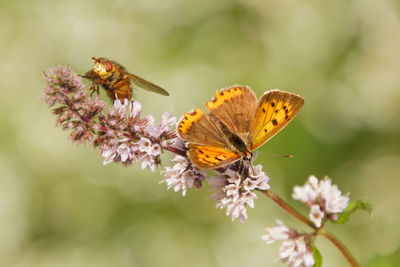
[240, 170]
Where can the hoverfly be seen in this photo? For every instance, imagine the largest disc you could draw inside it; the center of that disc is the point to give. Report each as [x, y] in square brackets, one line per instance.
[116, 80]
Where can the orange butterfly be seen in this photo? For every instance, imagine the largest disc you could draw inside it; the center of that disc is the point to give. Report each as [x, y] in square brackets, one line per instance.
[237, 123]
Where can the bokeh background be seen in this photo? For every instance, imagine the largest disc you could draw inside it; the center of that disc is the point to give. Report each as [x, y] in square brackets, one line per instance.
[59, 206]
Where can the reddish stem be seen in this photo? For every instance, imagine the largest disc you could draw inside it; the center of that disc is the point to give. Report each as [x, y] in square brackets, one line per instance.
[319, 231]
[71, 106]
[288, 208]
[339, 245]
[176, 151]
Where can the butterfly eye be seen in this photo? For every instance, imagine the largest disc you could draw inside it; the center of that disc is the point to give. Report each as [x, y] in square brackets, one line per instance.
[109, 66]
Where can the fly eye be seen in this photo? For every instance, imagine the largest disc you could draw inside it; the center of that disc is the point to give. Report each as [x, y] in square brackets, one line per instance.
[109, 66]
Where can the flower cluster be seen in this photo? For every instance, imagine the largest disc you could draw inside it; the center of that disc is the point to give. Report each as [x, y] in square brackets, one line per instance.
[234, 185]
[234, 188]
[120, 133]
[183, 174]
[123, 136]
[323, 199]
[74, 109]
[296, 247]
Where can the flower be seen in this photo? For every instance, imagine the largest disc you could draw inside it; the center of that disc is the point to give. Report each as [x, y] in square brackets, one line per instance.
[183, 175]
[234, 191]
[148, 161]
[322, 198]
[316, 215]
[145, 145]
[108, 156]
[296, 247]
[123, 151]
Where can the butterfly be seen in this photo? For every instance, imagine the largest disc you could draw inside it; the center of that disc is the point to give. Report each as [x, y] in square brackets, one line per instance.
[237, 123]
[116, 80]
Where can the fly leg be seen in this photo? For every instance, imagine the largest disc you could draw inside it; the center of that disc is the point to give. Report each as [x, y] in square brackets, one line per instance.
[123, 89]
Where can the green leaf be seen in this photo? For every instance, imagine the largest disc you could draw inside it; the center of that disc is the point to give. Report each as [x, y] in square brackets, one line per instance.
[385, 261]
[351, 208]
[317, 256]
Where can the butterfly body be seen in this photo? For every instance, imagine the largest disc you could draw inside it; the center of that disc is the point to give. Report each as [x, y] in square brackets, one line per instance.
[237, 124]
[116, 80]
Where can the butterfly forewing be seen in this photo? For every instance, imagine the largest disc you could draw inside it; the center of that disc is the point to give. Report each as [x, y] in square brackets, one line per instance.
[196, 127]
[235, 108]
[275, 110]
[211, 157]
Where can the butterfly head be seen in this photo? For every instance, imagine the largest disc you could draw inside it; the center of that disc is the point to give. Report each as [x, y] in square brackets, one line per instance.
[247, 155]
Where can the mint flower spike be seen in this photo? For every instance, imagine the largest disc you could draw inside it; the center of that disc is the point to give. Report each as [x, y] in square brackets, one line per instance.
[120, 133]
[183, 174]
[296, 249]
[235, 190]
[322, 198]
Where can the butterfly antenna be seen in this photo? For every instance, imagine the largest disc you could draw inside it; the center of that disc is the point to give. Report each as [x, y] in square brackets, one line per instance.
[280, 155]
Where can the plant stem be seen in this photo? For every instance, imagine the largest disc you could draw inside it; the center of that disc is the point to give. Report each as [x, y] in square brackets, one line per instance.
[346, 253]
[319, 231]
[288, 208]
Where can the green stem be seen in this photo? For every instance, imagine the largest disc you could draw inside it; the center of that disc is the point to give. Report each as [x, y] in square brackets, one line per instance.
[319, 231]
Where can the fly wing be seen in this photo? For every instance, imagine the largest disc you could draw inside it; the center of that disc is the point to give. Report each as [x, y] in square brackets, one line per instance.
[149, 86]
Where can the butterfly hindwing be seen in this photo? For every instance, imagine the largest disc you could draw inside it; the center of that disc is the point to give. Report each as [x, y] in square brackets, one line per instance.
[275, 110]
[210, 157]
[235, 108]
[196, 127]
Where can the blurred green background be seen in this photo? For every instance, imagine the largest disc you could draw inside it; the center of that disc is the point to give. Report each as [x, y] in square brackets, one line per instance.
[59, 206]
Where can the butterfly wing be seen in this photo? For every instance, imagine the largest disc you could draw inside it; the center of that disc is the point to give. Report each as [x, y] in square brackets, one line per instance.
[235, 108]
[196, 127]
[149, 86]
[207, 147]
[211, 157]
[275, 110]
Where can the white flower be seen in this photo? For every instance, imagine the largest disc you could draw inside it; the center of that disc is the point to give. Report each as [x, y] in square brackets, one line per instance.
[235, 192]
[324, 199]
[183, 175]
[135, 110]
[295, 249]
[167, 121]
[148, 161]
[155, 150]
[316, 215]
[306, 193]
[296, 253]
[280, 232]
[123, 151]
[249, 184]
[335, 202]
[145, 145]
[108, 156]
